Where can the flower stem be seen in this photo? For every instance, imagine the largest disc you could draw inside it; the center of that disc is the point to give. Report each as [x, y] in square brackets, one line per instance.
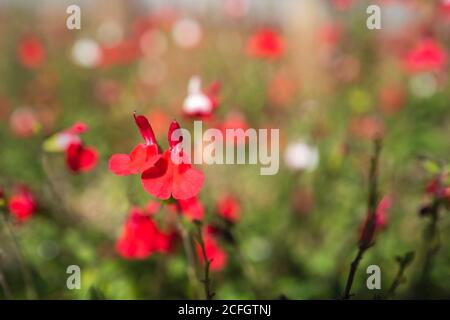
[369, 228]
[209, 294]
[4, 284]
[187, 245]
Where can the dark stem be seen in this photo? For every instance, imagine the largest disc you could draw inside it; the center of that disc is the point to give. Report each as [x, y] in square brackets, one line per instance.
[209, 294]
[403, 262]
[366, 240]
[187, 245]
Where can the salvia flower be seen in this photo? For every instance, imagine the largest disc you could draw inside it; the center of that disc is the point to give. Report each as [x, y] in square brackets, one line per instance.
[141, 237]
[142, 157]
[372, 226]
[229, 208]
[265, 44]
[22, 204]
[79, 158]
[214, 252]
[200, 103]
[173, 174]
[31, 52]
[165, 175]
[427, 55]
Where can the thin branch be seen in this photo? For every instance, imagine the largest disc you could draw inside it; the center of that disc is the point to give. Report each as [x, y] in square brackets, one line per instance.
[187, 245]
[209, 294]
[366, 240]
[403, 263]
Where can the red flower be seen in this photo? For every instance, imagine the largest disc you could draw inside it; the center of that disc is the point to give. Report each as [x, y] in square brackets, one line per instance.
[31, 52]
[428, 55]
[369, 230]
[229, 208]
[192, 208]
[142, 157]
[22, 204]
[173, 178]
[214, 252]
[80, 158]
[265, 44]
[141, 237]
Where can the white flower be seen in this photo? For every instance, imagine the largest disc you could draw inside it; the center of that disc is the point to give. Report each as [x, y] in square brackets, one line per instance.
[301, 156]
[86, 53]
[196, 102]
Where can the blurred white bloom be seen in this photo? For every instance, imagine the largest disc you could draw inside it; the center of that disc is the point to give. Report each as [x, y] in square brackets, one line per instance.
[301, 156]
[187, 33]
[86, 53]
[196, 102]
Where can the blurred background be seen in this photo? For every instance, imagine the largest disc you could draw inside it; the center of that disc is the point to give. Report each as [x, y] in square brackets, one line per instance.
[310, 68]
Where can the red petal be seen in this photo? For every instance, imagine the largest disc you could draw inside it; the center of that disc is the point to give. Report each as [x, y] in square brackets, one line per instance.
[187, 182]
[158, 179]
[172, 140]
[141, 158]
[145, 129]
[80, 158]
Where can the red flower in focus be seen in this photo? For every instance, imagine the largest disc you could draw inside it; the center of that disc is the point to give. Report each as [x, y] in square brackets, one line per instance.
[22, 204]
[201, 103]
[31, 52]
[80, 158]
[142, 157]
[428, 55]
[265, 44]
[192, 208]
[370, 228]
[229, 208]
[214, 252]
[141, 237]
[173, 178]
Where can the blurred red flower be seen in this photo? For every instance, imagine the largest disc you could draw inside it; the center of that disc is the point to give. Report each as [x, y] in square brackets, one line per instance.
[80, 158]
[265, 44]
[31, 52]
[192, 208]
[229, 208]
[141, 237]
[214, 252]
[22, 204]
[142, 157]
[427, 55]
[368, 230]
[167, 178]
